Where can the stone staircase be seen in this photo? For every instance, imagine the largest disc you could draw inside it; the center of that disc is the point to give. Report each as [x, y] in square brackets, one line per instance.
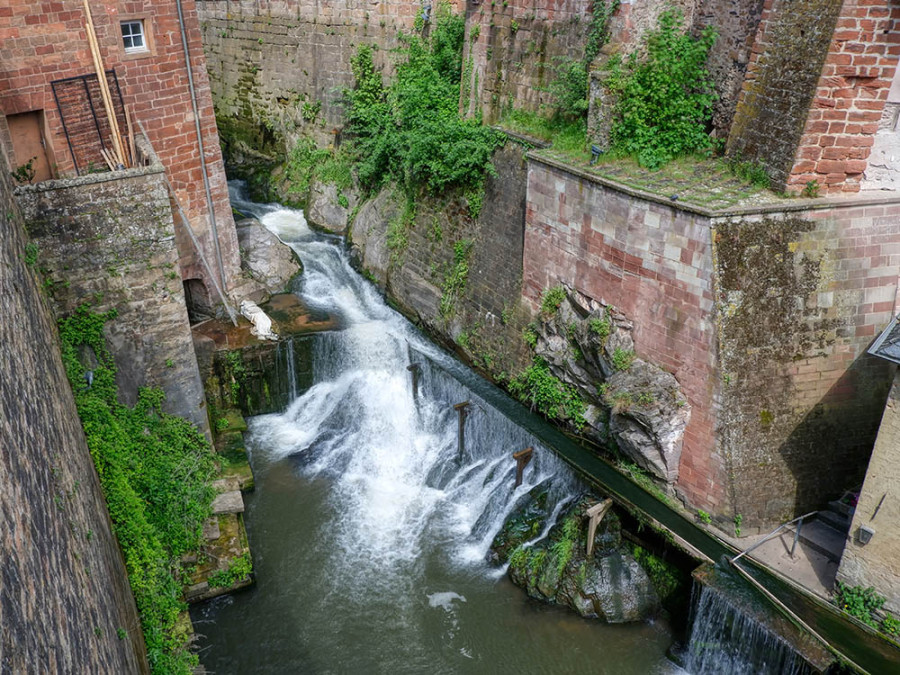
[827, 533]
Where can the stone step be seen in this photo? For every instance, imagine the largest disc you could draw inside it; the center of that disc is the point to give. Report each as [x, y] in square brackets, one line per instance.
[840, 507]
[823, 538]
[228, 502]
[838, 521]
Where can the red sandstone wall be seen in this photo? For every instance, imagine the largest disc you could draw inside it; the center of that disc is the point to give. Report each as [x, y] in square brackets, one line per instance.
[653, 262]
[849, 99]
[45, 40]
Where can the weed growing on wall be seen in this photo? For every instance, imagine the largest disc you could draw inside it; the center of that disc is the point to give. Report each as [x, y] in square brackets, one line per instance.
[664, 98]
[547, 394]
[455, 281]
[410, 131]
[156, 472]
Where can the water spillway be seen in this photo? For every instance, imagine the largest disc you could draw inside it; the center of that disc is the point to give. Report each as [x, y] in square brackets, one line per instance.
[370, 526]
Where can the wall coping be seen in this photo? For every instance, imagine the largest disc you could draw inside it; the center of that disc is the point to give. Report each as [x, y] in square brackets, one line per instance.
[154, 166]
[785, 206]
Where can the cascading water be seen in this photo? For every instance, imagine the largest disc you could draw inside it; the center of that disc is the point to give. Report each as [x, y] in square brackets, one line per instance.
[370, 529]
[727, 640]
[286, 365]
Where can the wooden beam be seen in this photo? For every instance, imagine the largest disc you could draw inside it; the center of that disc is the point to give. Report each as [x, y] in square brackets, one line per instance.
[595, 515]
[522, 457]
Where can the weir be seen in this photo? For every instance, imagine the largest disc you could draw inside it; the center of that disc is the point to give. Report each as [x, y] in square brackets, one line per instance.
[404, 512]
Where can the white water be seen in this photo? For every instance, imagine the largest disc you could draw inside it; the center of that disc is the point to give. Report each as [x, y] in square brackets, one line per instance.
[393, 461]
[369, 530]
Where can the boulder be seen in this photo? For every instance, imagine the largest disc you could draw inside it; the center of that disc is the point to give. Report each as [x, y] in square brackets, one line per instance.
[265, 257]
[610, 586]
[368, 233]
[329, 208]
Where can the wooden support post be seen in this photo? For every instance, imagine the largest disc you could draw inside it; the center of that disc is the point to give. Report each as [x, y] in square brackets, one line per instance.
[595, 515]
[118, 149]
[415, 370]
[523, 457]
[463, 410]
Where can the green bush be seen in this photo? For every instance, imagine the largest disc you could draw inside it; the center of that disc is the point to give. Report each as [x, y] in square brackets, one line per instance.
[411, 131]
[156, 472]
[552, 299]
[622, 358]
[859, 602]
[665, 98]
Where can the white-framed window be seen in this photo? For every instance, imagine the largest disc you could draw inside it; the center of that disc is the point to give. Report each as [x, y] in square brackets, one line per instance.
[133, 36]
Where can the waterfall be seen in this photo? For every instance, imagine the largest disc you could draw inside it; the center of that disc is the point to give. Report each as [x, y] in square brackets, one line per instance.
[286, 367]
[393, 461]
[726, 639]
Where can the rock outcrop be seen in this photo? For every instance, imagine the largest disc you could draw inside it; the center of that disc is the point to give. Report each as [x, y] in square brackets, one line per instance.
[610, 585]
[631, 402]
[265, 257]
[329, 207]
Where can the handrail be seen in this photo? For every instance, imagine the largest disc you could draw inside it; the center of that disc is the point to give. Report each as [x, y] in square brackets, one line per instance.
[773, 533]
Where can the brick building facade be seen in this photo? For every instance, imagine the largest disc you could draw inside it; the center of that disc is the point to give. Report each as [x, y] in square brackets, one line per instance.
[45, 42]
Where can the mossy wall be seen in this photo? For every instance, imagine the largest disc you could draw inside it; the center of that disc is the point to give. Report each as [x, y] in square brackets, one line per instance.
[800, 398]
[790, 49]
[63, 589]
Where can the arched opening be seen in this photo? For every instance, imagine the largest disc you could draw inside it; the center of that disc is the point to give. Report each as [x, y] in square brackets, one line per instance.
[198, 300]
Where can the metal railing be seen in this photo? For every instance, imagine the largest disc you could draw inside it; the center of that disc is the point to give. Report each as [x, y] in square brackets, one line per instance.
[775, 532]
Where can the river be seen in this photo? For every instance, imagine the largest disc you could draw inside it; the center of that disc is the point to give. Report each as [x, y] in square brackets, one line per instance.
[370, 529]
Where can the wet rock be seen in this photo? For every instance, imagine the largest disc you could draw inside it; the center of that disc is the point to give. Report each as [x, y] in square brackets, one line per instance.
[611, 585]
[329, 207]
[525, 523]
[632, 402]
[265, 257]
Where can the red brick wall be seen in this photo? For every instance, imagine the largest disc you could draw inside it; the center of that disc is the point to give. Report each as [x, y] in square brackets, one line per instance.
[45, 40]
[654, 263]
[849, 98]
[764, 319]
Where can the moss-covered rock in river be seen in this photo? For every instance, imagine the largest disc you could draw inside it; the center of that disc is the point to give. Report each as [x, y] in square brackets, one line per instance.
[610, 585]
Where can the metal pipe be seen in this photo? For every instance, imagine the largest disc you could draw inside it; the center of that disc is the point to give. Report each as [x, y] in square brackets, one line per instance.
[209, 201]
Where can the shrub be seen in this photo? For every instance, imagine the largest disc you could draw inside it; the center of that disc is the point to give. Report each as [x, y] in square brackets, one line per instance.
[622, 358]
[552, 299]
[411, 131]
[665, 99]
[545, 393]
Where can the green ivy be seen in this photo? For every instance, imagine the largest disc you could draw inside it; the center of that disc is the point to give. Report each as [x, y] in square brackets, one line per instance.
[156, 472]
[455, 281]
[665, 98]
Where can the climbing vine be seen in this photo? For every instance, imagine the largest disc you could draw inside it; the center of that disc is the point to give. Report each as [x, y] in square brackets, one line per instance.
[156, 471]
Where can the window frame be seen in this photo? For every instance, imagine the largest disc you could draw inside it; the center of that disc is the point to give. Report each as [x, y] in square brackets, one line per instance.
[148, 48]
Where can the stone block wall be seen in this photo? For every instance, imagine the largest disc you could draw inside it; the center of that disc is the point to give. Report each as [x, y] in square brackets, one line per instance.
[64, 593]
[763, 318]
[512, 50]
[800, 296]
[877, 563]
[109, 240]
[281, 64]
[815, 89]
[45, 40]
[653, 261]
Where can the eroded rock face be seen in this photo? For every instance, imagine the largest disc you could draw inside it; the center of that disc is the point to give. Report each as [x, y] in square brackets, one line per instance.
[265, 257]
[368, 234]
[631, 402]
[611, 585]
[329, 208]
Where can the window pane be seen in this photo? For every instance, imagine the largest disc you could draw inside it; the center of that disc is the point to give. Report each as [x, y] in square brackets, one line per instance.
[133, 35]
